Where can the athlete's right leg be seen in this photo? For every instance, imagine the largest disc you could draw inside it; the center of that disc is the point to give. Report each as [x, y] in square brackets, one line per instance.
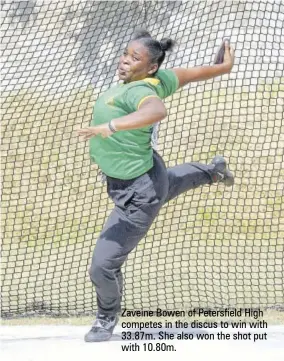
[137, 203]
[192, 175]
[121, 234]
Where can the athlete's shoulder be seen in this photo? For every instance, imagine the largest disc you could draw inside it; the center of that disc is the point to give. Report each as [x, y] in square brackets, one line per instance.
[165, 73]
[165, 82]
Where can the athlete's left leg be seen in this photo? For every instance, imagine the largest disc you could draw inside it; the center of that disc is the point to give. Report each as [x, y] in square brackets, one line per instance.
[192, 175]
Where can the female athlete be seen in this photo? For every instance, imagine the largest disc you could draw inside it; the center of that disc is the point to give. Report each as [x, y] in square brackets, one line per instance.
[138, 181]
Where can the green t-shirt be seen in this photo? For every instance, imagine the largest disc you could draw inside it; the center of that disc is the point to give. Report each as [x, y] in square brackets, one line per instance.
[128, 154]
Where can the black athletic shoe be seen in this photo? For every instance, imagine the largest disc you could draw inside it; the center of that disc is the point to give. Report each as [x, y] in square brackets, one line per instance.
[102, 329]
[221, 172]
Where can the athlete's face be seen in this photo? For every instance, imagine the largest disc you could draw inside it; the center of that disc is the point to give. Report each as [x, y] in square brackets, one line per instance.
[135, 64]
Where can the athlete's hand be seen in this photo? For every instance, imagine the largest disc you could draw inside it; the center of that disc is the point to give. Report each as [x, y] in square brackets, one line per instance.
[87, 133]
[229, 57]
[225, 56]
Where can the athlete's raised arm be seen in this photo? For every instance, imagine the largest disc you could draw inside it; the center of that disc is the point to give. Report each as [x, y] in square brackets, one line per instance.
[200, 73]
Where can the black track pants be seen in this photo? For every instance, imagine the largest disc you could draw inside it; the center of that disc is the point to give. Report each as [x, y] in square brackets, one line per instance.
[137, 203]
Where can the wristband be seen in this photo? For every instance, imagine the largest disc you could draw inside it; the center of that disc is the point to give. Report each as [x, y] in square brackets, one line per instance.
[111, 127]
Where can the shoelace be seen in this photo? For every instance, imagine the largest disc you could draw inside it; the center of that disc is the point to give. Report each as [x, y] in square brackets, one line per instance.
[222, 175]
[101, 323]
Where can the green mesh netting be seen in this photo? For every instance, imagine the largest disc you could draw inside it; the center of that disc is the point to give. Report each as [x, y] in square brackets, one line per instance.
[211, 247]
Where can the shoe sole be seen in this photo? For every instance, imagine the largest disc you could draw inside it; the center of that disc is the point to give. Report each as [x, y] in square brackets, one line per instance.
[102, 339]
[229, 179]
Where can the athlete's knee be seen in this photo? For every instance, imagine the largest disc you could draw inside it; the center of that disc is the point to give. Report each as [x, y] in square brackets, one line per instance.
[99, 270]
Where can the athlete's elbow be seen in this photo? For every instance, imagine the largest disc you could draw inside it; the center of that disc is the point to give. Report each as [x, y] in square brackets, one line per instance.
[155, 108]
[163, 113]
[158, 115]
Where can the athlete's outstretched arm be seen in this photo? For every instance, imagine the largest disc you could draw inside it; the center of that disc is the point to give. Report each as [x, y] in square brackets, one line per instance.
[150, 111]
[200, 73]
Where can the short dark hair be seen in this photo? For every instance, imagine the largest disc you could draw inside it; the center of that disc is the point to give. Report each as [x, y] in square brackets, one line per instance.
[157, 49]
